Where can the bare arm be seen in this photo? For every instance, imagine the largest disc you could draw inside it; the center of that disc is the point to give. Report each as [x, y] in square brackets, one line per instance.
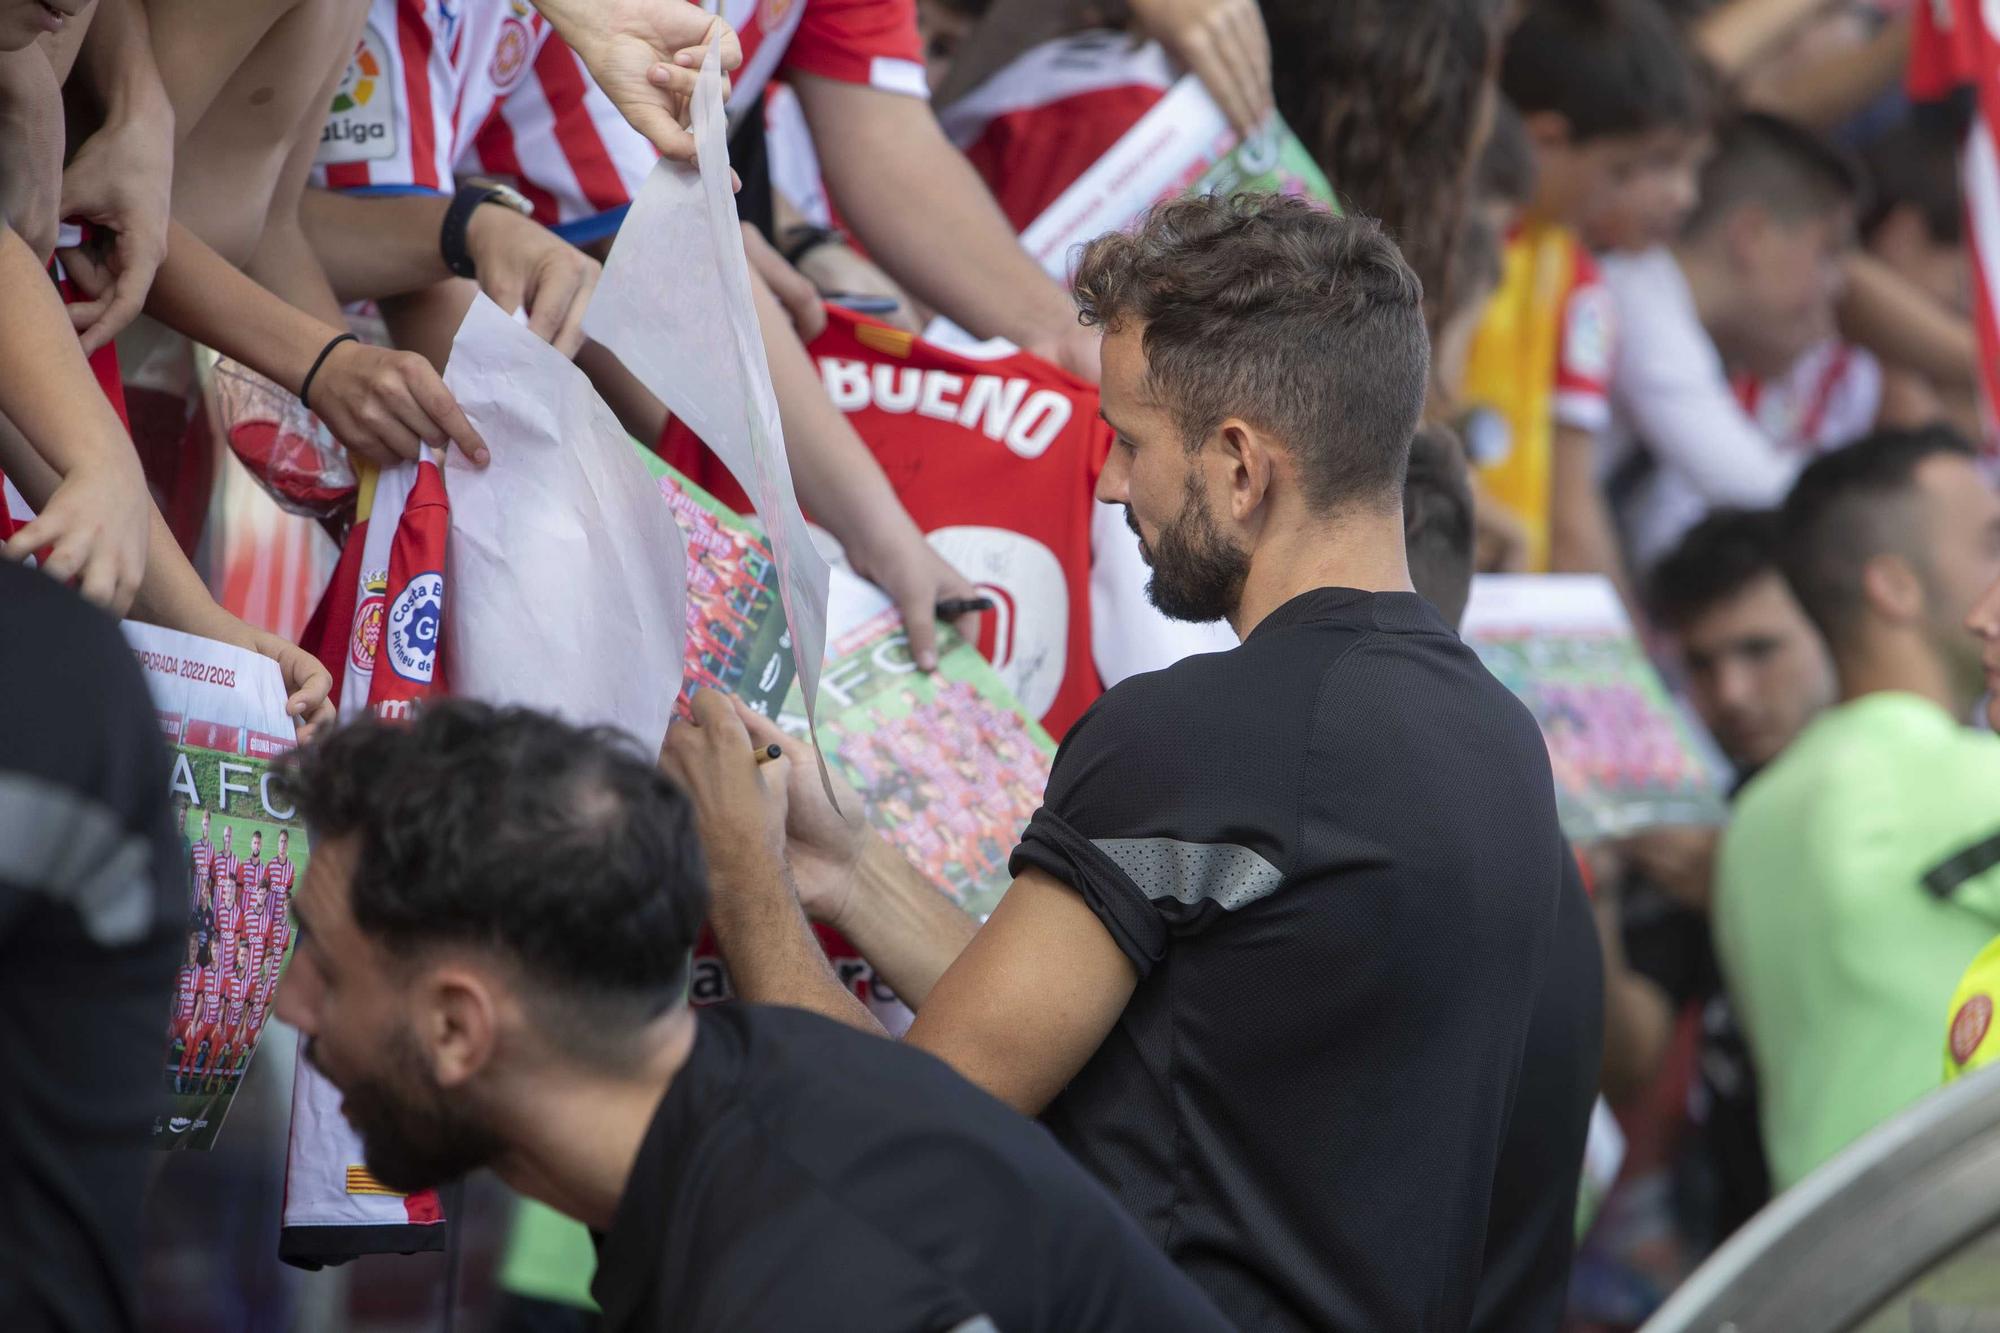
[1032, 997]
[908, 931]
[902, 186]
[1638, 1017]
[1581, 540]
[1831, 90]
[1738, 34]
[1905, 326]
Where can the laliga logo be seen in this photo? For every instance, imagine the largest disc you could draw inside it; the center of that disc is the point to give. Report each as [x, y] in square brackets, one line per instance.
[414, 622]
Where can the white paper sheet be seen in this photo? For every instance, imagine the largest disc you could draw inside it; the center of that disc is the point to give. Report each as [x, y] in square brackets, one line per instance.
[568, 572]
[675, 307]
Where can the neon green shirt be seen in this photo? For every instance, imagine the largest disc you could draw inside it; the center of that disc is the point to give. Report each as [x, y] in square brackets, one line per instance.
[549, 1257]
[1860, 877]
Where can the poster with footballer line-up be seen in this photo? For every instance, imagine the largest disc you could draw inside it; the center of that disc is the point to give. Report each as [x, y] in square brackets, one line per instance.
[221, 710]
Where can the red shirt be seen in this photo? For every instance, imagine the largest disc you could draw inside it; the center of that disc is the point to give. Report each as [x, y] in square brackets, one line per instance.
[1045, 119]
[995, 458]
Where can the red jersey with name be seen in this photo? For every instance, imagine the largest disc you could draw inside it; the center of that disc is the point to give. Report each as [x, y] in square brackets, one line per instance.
[1954, 45]
[1046, 118]
[995, 457]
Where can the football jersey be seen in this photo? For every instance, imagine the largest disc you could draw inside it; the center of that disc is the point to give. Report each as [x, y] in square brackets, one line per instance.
[1541, 358]
[239, 992]
[278, 878]
[201, 856]
[995, 454]
[224, 868]
[440, 89]
[1954, 45]
[250, 882]
[1828, 399]
[190, 987]
[1045, 119]
[211, 995]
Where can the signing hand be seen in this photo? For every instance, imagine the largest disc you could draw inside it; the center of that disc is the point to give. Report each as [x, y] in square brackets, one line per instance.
[823, 845]
[121, 179]
[739, 804]
[96, 527]
[1224, 43]
[383, 405]
[916, 578]
[522, 263]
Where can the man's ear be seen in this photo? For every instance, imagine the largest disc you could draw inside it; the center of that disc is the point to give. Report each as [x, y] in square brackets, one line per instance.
[1893, 588]
[456, 1017]
[1250, 460]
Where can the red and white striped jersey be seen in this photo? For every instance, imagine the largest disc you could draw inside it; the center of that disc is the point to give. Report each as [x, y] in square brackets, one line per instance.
[1046, 118]
[278, 873]
[250, 881]
[239, 994]
[211, 994]
[190, 987]
[440, 89]
[201, 857]
[224, 867]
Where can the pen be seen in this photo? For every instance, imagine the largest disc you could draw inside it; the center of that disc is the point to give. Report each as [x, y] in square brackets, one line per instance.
[951, 608]
[764, 754]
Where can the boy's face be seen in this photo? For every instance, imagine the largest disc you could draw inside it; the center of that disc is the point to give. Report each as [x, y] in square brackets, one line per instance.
[1578, 181]
[1788, 278]
[1646, 204]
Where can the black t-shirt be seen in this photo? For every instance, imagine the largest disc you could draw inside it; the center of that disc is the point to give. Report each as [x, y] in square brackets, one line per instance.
[92, 910]
[801, 1175]
[1332, 856]
[1531, 1236]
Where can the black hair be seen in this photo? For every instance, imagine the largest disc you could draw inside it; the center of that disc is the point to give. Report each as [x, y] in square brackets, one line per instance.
[1437, 521]
[1718, 558]
[1849, 507]
[1607, 67]
[1786, 168]
[558, 847]
[1507, 164]
[1914, 164]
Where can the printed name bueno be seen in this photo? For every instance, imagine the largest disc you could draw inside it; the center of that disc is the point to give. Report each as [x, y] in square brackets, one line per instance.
[1002, 408]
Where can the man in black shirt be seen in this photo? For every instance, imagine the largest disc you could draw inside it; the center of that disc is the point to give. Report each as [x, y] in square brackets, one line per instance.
[92, 913]
[1275, 938]
[493, 938]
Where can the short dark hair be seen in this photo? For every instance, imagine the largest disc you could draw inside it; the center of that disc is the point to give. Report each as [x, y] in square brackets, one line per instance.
[1437, 521]
[1914, 164]
[1844, 511]
[556, 846]
[1608, 67]
[1301, 322]
[1507, 163]
[1717, 558]
[1783, 167]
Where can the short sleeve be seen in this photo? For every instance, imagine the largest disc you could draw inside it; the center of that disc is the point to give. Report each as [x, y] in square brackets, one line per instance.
[1106, 831]
[872, 42]
[1583, 362]
[1968, 872]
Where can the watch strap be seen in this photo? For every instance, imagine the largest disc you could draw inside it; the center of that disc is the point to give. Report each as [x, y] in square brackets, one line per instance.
[451, 236]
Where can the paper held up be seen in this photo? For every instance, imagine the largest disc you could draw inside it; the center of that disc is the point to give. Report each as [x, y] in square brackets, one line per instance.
[568, 570]
[675, 307]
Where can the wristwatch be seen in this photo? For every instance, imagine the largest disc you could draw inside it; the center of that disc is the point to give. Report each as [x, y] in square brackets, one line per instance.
[451, 236]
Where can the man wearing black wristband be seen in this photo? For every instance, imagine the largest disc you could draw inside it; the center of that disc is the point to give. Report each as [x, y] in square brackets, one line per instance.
[1276, 936]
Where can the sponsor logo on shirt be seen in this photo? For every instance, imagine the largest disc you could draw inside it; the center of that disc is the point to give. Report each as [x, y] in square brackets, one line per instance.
[414, 622]
[361, 125]
[1587, 342]
[1002, 409]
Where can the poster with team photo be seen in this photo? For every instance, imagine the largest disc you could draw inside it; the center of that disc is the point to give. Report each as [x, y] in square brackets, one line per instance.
[948, 764]
[1625, 755]
[736, 635]
[1183, 145]
[221, 710]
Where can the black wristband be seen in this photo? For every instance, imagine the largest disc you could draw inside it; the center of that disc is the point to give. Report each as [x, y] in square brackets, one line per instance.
[801, 241]
[451, 235]
[320, 360]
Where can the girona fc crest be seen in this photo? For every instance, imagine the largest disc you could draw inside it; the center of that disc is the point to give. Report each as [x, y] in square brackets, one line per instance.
[366, 638]
[510, 54]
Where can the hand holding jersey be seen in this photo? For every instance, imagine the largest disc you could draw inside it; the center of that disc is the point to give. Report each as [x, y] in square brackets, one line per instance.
[645, 54]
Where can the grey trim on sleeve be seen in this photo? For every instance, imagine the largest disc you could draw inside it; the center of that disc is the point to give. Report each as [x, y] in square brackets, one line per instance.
[979, 1323]
[1221, 872]
[66, 846]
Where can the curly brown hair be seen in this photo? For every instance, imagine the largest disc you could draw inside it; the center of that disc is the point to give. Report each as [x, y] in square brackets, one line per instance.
[1303, 323]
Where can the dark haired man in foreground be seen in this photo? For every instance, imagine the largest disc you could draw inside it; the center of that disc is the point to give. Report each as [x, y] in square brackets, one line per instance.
[1268, 963]
[493, 938]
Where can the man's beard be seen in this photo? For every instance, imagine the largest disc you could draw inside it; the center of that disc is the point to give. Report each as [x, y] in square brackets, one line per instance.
[1198, 573]
[412, 1138]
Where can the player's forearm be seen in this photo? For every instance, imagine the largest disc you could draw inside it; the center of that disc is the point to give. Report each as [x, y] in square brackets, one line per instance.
[901, 186]
[763, 935]
[837, 479]
[1890, 316]
[908, 931]
[202, 295]
[376, 247]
